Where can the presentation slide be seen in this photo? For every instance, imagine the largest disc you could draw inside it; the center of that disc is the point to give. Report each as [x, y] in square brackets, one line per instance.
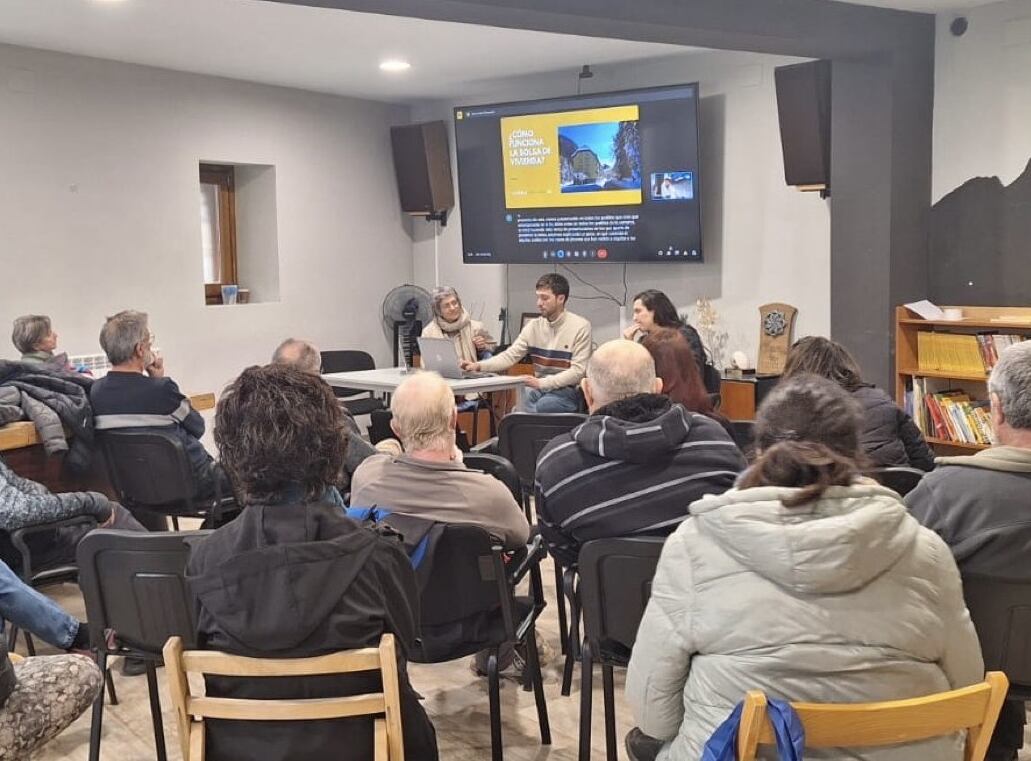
[610, 177]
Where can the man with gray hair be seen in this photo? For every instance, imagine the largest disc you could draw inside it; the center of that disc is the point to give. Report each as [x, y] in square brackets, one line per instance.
[429, 480]
[296, 352]
[636, 463]
[136, 394]
[979, 505]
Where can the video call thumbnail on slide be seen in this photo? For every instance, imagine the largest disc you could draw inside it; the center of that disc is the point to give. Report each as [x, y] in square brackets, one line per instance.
[615, 181]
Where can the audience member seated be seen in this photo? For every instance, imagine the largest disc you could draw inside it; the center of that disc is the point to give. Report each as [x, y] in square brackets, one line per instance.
[888, 436]
[35, 338]
[27, 609]
[305, 356]
[450, 320]
[808, 582]
[136, 394]
[559, 344]
[429, 480]
[26, 503]
[654, 310]
[979, 505]
[40, 697]
[635, 465]
[675, 366]
[293, 577]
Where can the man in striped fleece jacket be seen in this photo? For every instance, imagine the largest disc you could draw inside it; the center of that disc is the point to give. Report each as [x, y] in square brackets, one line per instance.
[559, 344]
[635, 465]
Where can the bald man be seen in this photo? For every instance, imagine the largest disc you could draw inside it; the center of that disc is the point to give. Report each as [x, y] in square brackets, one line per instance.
[635, 465]
[429, 479]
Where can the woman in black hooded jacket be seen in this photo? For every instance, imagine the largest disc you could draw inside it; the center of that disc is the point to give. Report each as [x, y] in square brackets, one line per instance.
[889, 436]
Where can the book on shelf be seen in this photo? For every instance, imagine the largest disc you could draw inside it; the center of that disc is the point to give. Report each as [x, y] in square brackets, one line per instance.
[950, 414]
[963, 353]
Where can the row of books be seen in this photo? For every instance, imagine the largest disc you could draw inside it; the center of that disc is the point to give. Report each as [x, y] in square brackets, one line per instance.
[964, 353]
[949, 415]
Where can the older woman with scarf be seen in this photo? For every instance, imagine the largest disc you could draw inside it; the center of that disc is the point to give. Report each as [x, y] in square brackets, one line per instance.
[450, 320]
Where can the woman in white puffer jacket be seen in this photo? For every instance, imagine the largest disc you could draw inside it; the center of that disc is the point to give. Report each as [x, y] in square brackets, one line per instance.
[808, 582]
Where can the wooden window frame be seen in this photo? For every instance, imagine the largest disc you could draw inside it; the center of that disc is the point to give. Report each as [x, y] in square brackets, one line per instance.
[224, 177]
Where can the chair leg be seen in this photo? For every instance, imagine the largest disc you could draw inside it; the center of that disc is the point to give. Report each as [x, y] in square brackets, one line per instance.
[30, 646]
[112, 695]
[610, 713]
[563, 633]
[494, 691]
[574, 635]
[175, 522]
[98, 712]
[155, 711]
[586, 698]
[533, 665]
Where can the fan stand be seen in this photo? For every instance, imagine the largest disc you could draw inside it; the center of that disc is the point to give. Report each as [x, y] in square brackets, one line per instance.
[406, 332]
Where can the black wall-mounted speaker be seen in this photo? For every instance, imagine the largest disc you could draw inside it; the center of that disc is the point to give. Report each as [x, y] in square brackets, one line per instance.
[804, 110]
[422, 163]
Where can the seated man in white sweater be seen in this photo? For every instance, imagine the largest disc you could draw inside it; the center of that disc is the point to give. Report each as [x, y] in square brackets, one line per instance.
[559, 344]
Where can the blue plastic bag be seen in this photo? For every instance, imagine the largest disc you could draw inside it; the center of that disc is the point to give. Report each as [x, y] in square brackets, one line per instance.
[787, 729]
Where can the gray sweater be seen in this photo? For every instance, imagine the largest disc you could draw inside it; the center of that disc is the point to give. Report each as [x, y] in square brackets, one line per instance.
[979, 505]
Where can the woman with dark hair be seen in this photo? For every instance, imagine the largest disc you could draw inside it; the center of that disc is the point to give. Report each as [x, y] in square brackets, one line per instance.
[808, 582]
[653, 310]
[888, 434]
[293, 577]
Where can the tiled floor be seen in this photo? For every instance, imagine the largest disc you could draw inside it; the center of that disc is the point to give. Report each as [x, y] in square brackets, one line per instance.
[455, 699]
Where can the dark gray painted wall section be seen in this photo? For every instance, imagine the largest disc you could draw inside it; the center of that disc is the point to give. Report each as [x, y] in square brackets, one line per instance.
[883, 94]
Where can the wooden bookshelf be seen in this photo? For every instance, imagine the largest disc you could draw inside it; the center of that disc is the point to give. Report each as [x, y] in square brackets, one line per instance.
[975, 320]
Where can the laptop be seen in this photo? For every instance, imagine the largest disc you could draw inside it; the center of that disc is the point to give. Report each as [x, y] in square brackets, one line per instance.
[439, 355]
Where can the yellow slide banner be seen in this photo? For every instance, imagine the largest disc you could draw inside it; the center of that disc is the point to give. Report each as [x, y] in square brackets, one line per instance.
[544, 170]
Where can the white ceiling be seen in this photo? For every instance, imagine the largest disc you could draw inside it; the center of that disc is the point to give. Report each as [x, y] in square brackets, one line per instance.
[309, 48]
[322, 49]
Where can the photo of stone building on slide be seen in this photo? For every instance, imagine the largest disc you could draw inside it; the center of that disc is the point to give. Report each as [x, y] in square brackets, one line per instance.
[600, 156]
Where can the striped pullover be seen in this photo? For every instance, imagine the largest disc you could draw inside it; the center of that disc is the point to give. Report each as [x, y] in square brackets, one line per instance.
[559, 350]
[631, 469]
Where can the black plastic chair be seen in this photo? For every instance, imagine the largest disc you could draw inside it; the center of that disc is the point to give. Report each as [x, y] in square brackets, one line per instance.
[615, 584]
[133, 584]
[469, 605]
[901, 479]
[497, 466]
[349, 361]
[743, 433]
[37, 574]
[151, 472]
[521, 437]
[1001, 612]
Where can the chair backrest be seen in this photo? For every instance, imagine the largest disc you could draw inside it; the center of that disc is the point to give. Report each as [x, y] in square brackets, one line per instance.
[148, 467]
[615, 584]
[743, 433]
[902, 480]
[861, 725]
[462, 580]
[522, 436]
[1001, 611]
[497, 466]
[347, 361]
[191, 710]
[133, 582]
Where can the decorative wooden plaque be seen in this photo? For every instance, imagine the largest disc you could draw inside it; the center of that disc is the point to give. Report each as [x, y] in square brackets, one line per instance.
[776, 328]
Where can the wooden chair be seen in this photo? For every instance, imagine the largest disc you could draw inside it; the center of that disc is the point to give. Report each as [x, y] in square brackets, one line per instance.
[191, 710]
[855, 725]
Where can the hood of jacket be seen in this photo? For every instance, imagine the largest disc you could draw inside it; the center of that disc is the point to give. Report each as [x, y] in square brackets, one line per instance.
[302, 576]
[1006, 459]
[836, 544]
[635, 429]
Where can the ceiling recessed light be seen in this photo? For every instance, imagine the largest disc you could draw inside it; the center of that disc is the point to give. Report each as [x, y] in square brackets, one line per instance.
[395, 64]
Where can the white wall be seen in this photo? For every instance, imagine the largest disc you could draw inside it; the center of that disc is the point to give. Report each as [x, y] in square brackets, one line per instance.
[99, 209]
[982, 96]
[763, 241]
